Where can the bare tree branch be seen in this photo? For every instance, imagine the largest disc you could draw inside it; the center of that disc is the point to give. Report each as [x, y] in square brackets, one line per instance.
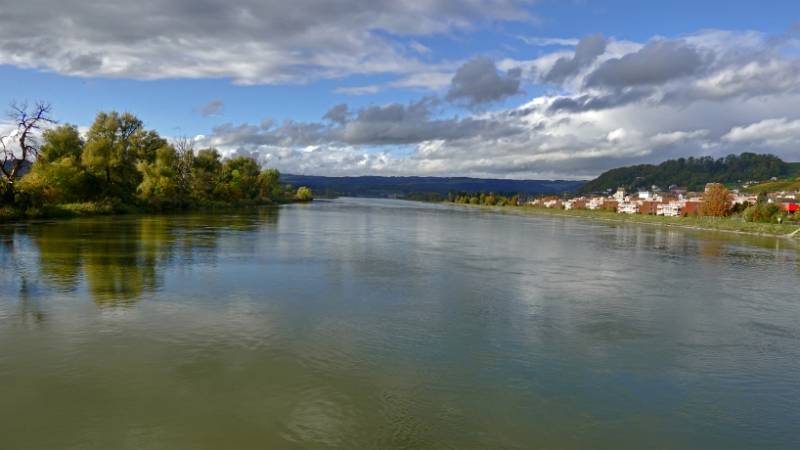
[29, 121]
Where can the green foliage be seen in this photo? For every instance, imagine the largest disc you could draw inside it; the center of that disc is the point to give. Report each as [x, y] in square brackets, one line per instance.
[112, 151]
[692, 173]
[482, 198]
[62, 181]
[774, 186]
[764, 213]
[159, 185]
[304, 194]
[61, 142]
[121, 166]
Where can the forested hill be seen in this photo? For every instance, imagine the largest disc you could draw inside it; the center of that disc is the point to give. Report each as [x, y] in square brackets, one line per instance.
[692, 173]
[376, 186]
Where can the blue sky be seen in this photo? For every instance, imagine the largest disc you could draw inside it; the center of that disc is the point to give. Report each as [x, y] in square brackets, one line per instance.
[393, 65]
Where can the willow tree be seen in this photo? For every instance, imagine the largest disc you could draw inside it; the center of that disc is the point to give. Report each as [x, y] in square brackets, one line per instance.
[115, 144]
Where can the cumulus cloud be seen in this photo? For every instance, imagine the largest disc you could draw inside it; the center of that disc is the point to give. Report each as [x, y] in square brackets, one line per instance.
[212, 108]
[770, 132]
[737, 99]
[478, 82]
[586, 51]
[249, 41]
[606, 103]
[337, 114]
[393, 124]
[656, 63]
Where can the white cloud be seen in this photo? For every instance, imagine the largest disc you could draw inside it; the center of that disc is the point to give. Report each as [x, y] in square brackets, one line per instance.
[249, 41]
[358, 90]
[547, 42]
[771, 132]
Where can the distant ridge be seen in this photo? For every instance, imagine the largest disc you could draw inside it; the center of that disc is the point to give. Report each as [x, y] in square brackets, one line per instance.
[693, 173]
[379, 186]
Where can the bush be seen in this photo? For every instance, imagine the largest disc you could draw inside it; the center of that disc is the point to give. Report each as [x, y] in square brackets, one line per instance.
[764, 213]
[304, 194]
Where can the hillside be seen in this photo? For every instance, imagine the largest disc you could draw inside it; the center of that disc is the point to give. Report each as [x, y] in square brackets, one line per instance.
[694, 173]
[375, 186]
[790, 184]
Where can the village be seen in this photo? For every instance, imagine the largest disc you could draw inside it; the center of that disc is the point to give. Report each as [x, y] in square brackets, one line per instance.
[673, 202]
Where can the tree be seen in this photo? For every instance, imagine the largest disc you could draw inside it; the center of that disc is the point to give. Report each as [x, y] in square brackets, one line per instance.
[114, 146]
[239, 179]
[716, 200]
[206, 168]
[304, 194]
[28, 122]
[269, 185]
[184, 161]
[57, 175]
[159, 183]
[60, 142]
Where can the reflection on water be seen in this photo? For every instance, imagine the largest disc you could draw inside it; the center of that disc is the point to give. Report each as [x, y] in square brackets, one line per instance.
[388, 324]
[119, 259]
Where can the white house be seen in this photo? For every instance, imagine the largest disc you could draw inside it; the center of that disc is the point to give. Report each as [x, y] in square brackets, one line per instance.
[595, 203]
[628, 208]
[672, 209]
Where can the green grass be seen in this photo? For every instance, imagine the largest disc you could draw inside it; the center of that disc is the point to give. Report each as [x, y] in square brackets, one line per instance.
[726, 224]
[775, 186]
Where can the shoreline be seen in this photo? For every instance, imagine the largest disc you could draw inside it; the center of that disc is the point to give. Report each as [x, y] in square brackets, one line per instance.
[724, 225]
[102, 209]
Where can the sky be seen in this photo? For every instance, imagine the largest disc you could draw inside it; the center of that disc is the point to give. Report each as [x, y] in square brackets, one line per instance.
[521, 89]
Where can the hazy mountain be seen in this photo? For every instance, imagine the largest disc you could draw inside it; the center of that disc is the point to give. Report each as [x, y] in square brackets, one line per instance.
[377, 186]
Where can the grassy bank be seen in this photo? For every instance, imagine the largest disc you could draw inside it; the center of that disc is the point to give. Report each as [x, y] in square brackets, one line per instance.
[724, 224]
[89, 209]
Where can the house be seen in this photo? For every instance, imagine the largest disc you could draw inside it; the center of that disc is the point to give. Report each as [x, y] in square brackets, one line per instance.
[679, 192]
[611, 205]
[575, 203]
[691, 208]
[646, 195]
[743, 199]
[552, 203]
[648, 207]
[595, 203]
[628, 208]
[620, 195]
[671, 209]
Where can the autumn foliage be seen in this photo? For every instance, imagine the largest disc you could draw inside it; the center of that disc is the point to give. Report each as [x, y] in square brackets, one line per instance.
[716, 200]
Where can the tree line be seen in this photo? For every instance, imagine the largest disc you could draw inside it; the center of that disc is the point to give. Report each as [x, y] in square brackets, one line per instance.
[692, 173]
[483, 198]
[120, 164]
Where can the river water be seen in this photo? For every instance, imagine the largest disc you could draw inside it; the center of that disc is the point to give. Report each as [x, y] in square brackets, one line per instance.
[360, 323]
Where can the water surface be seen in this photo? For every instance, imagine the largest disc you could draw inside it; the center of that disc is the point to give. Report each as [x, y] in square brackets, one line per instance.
[387, 324]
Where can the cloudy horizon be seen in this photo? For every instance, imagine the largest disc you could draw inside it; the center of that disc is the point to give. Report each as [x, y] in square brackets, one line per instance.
[484, 88]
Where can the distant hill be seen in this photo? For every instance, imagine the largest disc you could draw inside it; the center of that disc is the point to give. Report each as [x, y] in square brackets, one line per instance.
[693, 173]
[375, 186]
[24, 168]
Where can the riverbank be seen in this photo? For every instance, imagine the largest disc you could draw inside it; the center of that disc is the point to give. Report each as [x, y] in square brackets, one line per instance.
[107, 208]
[719, 224]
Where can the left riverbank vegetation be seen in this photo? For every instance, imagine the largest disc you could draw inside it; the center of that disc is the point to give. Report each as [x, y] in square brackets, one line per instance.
[118, 166]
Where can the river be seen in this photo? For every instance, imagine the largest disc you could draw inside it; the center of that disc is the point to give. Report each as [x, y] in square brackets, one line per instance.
[359, 323]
